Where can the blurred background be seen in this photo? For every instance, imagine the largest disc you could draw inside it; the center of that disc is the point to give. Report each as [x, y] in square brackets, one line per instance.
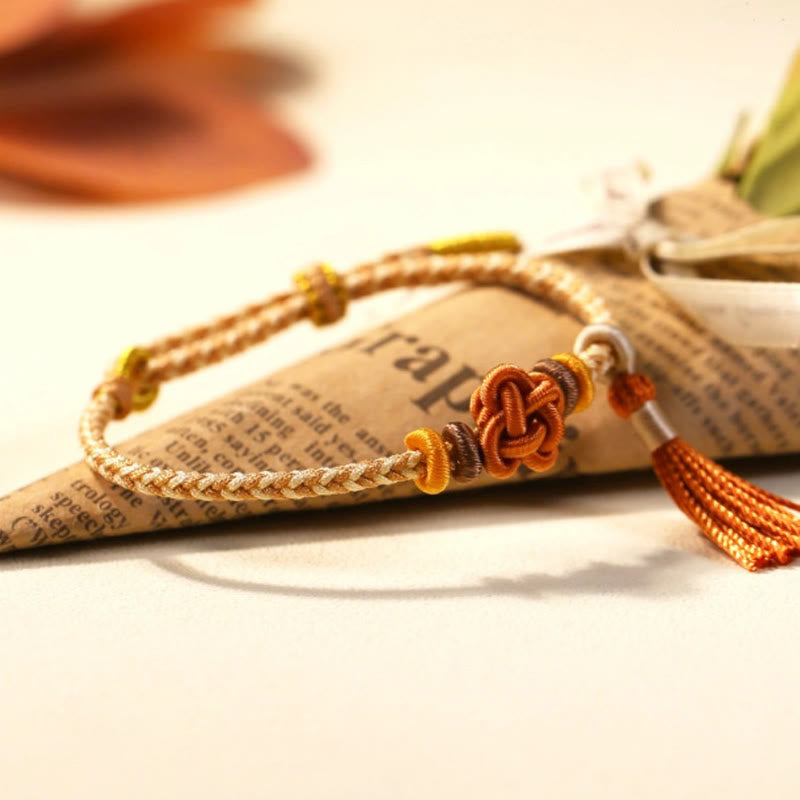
[288, 131]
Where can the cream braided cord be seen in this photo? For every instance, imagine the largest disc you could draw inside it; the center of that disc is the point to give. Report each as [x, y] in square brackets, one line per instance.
[201, 346]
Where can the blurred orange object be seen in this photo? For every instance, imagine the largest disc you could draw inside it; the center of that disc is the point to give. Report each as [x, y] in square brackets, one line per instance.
[24, 19]
[138, 104]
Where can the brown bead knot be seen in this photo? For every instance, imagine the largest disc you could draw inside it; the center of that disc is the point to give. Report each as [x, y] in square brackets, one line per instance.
[520, 420]
[466, 458]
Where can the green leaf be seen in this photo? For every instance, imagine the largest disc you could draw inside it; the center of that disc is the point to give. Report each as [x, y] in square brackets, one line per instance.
[771, 181]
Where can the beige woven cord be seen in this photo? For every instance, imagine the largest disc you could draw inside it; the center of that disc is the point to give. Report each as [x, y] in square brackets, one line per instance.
[322, 296]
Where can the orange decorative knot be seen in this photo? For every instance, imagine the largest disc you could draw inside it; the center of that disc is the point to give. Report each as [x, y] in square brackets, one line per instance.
[520, 420]
[629, 391]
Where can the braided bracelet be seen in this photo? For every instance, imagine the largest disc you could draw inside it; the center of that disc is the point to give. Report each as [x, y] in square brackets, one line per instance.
[518, 414]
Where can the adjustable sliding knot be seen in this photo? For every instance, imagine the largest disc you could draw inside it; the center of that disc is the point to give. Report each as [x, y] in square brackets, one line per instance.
[520, 420]
[325, 293]
[629, 391]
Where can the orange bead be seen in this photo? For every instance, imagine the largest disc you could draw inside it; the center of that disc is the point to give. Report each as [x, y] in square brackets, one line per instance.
[437, 460]
[584, 377]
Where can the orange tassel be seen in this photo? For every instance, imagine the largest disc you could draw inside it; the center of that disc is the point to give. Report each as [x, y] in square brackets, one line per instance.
[755, 527]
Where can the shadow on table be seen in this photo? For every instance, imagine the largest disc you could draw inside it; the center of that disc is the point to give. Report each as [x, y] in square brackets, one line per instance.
[660, 573]
[537, 501]
[669, 569]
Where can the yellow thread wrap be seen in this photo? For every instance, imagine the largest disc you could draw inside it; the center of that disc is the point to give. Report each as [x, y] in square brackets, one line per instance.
[476, 243]
[437, 460]
[334, 280]
[585, 383]
[325, 293]
[304, 285]
[131, 364]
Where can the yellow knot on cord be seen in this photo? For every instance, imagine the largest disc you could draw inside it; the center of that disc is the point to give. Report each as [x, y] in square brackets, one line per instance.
[131, 365]
[325, 293]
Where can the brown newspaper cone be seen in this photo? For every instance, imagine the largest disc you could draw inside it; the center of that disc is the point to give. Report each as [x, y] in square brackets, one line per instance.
[359, 400]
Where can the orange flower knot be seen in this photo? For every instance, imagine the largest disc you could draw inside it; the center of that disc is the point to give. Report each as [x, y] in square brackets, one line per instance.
[519, 418]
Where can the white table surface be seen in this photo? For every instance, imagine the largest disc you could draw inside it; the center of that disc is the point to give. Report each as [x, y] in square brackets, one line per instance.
[577, 640]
